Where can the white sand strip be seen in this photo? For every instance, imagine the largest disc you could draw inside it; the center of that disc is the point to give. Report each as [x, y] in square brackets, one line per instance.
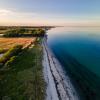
[51, 89]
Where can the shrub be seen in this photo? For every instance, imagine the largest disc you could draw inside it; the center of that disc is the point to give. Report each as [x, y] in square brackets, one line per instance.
[38, 32]
[13, 33]
[9, 62]
[2, 50]
[11, 52]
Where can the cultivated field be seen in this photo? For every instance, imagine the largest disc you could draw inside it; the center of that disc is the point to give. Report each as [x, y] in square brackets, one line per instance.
[6, 43]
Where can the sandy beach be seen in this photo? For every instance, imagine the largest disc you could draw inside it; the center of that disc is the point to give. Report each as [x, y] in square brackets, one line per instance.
[59, 86]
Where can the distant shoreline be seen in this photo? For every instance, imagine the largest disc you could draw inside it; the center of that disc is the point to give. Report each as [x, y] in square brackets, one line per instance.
[58, 84]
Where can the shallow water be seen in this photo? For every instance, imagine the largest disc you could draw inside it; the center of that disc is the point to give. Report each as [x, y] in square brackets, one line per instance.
[78, 50]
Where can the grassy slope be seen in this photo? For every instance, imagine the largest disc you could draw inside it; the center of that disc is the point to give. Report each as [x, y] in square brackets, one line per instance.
[24, 79]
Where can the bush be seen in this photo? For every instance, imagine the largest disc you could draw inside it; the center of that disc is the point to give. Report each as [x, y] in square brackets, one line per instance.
[9, 62]
[11, 52]
[13, 33]
[38, 32]
[2, 50]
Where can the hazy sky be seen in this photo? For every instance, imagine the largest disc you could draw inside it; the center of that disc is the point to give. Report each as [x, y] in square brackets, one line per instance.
[49, 12]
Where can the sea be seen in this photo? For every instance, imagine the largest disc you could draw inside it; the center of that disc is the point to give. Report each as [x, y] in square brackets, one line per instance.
[78, 50]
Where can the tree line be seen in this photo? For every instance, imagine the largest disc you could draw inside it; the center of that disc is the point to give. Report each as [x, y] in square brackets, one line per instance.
[25, 33]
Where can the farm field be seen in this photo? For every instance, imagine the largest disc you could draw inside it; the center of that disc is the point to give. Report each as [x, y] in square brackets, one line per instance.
[6, 43]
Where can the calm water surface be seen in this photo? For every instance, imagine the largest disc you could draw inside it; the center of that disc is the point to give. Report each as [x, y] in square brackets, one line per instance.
[78, 50]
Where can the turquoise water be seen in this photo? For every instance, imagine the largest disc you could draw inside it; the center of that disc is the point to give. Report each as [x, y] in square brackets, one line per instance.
[78, 50]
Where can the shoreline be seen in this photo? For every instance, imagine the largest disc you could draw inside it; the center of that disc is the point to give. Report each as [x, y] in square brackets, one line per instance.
[58, 84]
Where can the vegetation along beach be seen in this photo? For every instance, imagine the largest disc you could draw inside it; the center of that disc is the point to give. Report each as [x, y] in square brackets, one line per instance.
[49, 49]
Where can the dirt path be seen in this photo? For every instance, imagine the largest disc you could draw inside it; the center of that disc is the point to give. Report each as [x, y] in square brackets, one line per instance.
[1, 55]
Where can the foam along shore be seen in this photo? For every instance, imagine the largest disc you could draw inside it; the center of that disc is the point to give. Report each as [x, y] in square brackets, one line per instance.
[59, 86]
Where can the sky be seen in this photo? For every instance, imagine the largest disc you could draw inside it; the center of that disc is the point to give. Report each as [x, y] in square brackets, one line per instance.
[50, 12]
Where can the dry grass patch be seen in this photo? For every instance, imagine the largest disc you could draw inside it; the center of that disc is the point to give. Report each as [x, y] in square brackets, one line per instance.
[6, 43]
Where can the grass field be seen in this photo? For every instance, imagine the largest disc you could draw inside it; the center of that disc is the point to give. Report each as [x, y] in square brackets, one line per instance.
[24, 78]
[6, 43]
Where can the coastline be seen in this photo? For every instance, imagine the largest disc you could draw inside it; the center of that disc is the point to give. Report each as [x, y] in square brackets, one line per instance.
[58, 84]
